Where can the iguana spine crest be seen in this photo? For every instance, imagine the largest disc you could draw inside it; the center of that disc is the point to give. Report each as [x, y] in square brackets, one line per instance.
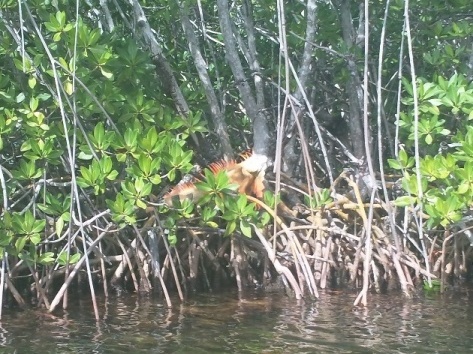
[247, 175]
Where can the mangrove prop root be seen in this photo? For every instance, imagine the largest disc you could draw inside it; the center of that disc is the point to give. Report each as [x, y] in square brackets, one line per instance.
[126, 255]
[297, 249]
[278, 266]
[74, 271]
[173, 268]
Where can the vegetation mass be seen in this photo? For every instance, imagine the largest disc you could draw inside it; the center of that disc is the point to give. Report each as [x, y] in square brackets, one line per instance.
[358, 113]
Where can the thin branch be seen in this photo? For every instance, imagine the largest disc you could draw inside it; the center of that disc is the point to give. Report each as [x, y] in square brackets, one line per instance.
[420, 224]
[388, 206]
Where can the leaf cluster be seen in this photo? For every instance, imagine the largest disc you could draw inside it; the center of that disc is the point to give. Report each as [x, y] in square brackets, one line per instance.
[220, 205]
[83, 128]
[444, 132]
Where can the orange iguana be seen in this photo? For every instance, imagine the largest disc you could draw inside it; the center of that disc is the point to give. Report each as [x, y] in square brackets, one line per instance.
[248, 175]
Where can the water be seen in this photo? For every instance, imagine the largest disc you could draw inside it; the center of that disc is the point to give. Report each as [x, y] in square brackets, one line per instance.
[270, 323]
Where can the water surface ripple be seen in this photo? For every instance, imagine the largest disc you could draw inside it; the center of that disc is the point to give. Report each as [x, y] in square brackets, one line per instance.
[259, 323]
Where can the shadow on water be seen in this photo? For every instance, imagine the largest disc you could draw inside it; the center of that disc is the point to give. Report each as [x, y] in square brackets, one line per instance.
[261, 323]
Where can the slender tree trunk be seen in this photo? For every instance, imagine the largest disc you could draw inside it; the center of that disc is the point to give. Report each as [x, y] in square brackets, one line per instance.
[304, 73]
[253, 53]
[354, 91]
[201, 66]
[256, 114]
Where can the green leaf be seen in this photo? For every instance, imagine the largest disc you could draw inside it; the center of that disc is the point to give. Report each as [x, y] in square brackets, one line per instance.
[61, 18]
[34, 102]
[231, 226]
[46, 258]
[395, 164]
[405, 201]
[32, 82]
[172, 239]
[433, 286]
[35, 239]
[242, 201]
[107, 73]
[156, 179]
[429, 139]
[59, 226]
[265, 218]
[112, 176]
[99, 133]
[245, 228]
[75, 258]
[212, 224]
[20, 243]
[141, 204]
[38, 226]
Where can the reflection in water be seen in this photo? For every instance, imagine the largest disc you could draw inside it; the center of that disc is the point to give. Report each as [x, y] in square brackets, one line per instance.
[270, 323]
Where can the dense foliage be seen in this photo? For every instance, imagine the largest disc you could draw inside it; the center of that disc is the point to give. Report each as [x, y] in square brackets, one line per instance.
[105, 105]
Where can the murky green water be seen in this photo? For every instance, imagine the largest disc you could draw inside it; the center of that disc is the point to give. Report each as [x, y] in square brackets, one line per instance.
[259, 324]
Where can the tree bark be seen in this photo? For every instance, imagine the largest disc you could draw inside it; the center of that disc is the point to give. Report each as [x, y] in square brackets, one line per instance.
[290, 157]
[256, 114]
[201, 67]
[354, 91]
[253, 53]
[106, 16]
